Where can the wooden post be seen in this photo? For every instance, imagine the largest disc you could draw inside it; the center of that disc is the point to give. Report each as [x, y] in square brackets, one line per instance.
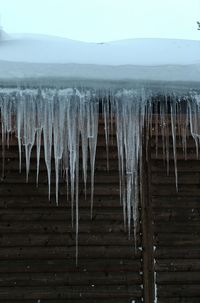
[147, 224]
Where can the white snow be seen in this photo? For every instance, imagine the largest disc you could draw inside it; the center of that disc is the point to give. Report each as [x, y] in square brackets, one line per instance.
[47, 49]
[153, 59]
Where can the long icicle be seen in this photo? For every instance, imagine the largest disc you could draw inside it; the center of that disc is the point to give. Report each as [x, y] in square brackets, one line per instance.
[58, 117]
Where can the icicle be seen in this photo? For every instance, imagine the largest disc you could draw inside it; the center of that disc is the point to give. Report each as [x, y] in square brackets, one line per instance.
[77, 190]
[65, 159]
[67, 118]
[3, 150]
[130, 108]
[39, 108]
[19, 119]
[173, 127]
[59, 116]
[47, 135]
[38, 148]
[93, 117]
[156, 127]
[72, 117]
[29, 129]
[120, 148]
[84, 136]
[6, 124]
[106, 115]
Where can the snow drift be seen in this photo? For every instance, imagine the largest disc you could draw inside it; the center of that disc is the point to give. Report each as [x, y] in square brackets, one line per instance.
[149, 59]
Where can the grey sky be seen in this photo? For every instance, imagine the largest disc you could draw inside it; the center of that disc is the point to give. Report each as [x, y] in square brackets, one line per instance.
[103, 20]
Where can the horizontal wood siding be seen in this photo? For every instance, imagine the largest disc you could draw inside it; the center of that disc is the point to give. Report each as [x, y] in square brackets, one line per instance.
[176, 225]
[37, 243]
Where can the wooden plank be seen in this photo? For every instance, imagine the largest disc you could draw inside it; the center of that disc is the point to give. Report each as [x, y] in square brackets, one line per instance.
[182, 228]
[14, 177]
[179, 300]
[165, 189]
[179, 253]
[58, 214]
[80, 300]
[26, 202]
[147, 232]
[183, 166]
[48, 239]
[179, 278]
[68, 252]
[174, 264]
[175, 202]
[61, 227]
[183, 290]
[117, 265]
[70, 292]
[184, 178]
[42, 190]
[175, 215]
[177, 240]
[69, 279]
[101, 165]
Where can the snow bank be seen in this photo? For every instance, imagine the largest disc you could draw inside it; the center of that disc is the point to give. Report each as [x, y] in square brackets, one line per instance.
[150, 59]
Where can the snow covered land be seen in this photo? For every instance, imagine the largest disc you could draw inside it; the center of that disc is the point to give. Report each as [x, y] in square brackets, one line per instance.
[148, 59]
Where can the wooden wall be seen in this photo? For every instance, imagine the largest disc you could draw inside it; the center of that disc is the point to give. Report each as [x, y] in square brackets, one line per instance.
[37, 244]
[176, 224]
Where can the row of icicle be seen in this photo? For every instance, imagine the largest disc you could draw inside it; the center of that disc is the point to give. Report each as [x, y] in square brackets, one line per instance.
[67, 119]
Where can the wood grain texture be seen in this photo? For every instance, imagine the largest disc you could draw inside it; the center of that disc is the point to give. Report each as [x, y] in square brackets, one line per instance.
[37, 243]
[176, 224]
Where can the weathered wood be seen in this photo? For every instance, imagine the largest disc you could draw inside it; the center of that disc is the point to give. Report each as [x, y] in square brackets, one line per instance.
[146, 222]
[49, 240]
[176, 220]
[178, 278]
[177, 239]
[165, 189]
[19, 203]
[62, 227]
[71, 292]
[181, 290]
[81, 300]
[182, 228]
[68, 252]
[37, 242]
[176, 202]
[68, 279]
[65, 265]
[174, 264]
[37, 252]
[183, 166]
[179, 300]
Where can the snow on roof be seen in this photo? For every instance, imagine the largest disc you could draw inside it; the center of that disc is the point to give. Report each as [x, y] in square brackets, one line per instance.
[154, 59]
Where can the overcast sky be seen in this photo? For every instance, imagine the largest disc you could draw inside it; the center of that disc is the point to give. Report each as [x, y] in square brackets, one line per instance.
[103, 20]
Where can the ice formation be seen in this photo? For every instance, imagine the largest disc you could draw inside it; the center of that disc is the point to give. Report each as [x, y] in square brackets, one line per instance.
[67, 119]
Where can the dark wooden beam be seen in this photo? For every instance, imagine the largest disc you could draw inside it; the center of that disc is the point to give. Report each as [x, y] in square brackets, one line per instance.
[147, 224]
